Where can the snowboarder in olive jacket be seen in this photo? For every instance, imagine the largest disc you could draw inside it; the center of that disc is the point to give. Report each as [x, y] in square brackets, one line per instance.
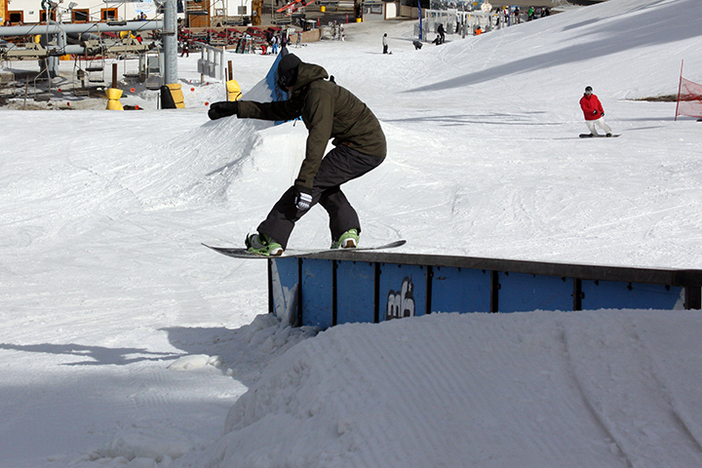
[328, 111]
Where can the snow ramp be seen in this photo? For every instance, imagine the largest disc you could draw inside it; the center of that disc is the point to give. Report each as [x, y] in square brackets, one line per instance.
[190, 169]
[201, 164]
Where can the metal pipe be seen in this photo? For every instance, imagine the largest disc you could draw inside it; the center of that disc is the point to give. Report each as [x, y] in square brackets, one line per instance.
[80, 28]
[75, 49]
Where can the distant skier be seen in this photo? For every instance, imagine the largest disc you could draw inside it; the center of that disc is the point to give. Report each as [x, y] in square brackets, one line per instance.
[328, 111]
[442, 34]
[594, 113]
[385, 43]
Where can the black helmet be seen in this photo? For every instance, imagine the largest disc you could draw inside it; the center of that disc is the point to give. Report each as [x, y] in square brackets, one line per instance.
[588, 89]
[287, 71]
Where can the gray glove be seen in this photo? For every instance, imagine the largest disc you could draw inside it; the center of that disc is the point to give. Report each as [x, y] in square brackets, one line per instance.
[303, 199]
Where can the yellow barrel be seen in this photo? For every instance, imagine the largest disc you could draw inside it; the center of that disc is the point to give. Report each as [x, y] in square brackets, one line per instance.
[233, 90]
[113, 96]
[177, 95]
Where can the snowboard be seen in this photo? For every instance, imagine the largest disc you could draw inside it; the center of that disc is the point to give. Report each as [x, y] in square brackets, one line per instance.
[587, 135]
[243, 253]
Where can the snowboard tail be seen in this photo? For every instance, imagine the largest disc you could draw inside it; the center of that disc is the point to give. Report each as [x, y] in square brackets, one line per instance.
[243, 253]
[589, 135]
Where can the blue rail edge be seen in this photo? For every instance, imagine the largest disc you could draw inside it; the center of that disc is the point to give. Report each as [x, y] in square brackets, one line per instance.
[331, 288]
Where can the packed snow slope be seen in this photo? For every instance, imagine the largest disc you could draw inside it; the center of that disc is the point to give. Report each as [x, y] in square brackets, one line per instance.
[126, 343]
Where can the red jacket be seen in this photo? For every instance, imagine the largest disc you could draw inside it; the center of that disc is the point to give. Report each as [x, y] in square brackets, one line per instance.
[592, 108]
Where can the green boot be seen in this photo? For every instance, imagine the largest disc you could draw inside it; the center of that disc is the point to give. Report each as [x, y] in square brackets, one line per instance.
[262, 244]
[348, 240]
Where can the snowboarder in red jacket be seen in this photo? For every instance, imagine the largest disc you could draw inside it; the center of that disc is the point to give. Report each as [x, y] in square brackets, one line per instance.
[594, 113]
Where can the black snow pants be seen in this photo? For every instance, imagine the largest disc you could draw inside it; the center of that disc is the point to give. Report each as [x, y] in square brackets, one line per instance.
[340, 165]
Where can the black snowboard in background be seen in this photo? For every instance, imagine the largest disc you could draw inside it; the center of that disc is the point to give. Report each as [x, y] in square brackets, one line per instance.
[590, 135]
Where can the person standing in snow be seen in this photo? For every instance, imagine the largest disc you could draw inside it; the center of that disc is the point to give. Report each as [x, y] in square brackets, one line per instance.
[328, 111]
[594, 113]
[442, 34]
[385, 43]
[274, 44]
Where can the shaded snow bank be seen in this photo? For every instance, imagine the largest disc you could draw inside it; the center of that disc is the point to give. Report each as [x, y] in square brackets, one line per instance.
[241, 354]
[530, 389]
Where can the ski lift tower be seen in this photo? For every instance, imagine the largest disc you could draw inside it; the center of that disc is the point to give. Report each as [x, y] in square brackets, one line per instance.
[170, 42]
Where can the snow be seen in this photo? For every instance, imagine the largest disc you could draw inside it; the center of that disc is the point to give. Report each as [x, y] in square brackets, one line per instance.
[126, 343]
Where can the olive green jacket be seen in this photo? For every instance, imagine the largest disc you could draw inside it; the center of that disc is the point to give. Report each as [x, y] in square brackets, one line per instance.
[328, 111]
